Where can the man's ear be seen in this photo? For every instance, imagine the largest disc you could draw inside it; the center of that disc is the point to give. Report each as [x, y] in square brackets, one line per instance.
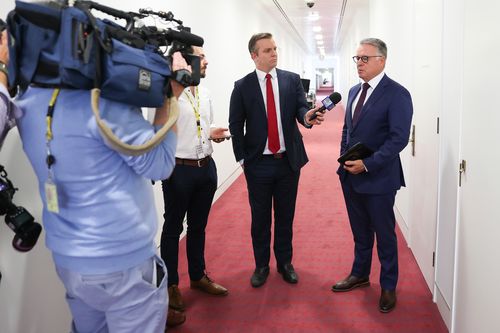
[253, 55]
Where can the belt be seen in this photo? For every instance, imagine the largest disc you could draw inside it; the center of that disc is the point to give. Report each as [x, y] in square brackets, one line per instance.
[194, 163]
[277, 156]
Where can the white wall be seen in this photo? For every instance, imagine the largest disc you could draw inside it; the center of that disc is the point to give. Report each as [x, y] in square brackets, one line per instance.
[31, 297]
[477, 300]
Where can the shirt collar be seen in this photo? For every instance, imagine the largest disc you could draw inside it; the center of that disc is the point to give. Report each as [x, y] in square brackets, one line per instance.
[376, 80]
[262, 75]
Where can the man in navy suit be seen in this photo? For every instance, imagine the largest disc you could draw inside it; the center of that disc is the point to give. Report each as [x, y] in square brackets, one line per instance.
[264, 109]
[378, 114]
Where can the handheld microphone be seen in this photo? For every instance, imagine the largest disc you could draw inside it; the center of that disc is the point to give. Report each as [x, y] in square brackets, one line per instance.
[329, 103]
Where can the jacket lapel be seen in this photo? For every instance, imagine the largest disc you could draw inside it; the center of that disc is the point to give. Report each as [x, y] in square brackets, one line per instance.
[257, 92]
[376, 94]
[283, 86]
[352, 96]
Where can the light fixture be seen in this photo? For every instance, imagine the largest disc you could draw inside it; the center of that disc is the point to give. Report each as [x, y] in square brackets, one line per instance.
[319, 42]
[313, 16]
[318, 37]
[317, 29]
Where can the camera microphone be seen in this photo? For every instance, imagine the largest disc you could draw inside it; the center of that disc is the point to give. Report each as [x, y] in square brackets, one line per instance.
[184, 37]
[328, 103]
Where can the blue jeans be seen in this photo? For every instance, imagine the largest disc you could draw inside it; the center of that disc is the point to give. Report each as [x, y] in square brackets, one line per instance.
[126, 301]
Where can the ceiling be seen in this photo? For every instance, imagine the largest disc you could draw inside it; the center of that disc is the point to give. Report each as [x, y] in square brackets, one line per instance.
[303, 20]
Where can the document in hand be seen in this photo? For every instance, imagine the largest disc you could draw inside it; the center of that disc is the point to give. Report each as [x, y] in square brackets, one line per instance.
[356, 152]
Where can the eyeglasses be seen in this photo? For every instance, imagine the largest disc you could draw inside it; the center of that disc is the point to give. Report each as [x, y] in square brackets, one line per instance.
[364, 58]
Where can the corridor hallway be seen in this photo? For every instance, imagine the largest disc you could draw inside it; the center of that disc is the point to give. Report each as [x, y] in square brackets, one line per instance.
[323, 253]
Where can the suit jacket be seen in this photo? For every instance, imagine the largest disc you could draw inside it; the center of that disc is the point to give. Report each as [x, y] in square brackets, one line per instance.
[248, 118]
[384, 127]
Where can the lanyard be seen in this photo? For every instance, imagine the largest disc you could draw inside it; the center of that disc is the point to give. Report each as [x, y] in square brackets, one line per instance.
[49, 135]
[196, 109]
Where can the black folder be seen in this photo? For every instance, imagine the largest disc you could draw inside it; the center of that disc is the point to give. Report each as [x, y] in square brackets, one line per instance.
[357, 152]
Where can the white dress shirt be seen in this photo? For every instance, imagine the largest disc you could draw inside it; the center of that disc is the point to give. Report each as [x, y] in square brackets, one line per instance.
[373, 84]
[187, 135]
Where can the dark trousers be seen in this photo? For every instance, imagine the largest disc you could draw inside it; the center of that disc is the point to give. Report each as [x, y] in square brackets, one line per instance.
[370, 216]
[189, 190]
[271, 182]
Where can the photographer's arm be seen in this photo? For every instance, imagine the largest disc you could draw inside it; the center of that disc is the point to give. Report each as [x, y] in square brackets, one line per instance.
[4, 58]
[161, 115]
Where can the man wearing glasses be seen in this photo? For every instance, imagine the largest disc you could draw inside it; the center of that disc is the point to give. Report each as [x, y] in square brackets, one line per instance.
[379, 113]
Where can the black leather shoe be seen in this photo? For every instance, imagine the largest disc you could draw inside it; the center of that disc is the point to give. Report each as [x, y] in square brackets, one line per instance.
[387, 301]
[288, 273]
[259, 276]
[351, 282]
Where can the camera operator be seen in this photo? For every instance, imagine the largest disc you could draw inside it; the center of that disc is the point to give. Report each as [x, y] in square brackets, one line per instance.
[99, 213]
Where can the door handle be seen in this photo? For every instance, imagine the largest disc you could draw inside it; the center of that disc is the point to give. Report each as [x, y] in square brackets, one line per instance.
[412, 140]
[461, 170]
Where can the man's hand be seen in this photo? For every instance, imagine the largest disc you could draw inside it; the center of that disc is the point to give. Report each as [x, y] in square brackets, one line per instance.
[319, 119]
[4, 47]
[178, 63]
[162, 113]
[4, 56]
[218, 134]
[354, 167]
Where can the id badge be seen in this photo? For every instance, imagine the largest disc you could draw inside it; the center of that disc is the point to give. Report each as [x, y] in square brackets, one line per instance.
[199, 151]
[51, 195]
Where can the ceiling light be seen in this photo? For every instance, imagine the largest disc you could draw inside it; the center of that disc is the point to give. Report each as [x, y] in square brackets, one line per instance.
[318, 37]
[313, 16]
[319, 42]
[317, 28]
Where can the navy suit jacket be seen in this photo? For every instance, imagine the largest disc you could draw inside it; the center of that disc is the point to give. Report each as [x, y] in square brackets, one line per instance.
[384, 127]
[248, 118]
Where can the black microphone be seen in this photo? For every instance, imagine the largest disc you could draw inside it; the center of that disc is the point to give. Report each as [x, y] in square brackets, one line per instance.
[329, 103]
[184, 37]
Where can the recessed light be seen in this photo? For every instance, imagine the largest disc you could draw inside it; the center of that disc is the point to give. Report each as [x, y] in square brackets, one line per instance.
[313, 16]
[317, 28]
[318, 37]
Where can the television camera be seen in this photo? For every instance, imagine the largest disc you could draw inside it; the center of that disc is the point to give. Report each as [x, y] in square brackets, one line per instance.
[17, 218]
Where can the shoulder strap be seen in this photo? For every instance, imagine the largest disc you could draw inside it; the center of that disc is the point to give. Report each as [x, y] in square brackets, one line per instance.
[125, 148]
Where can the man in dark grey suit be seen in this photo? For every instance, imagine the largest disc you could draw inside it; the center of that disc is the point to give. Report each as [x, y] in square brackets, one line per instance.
[265, 107]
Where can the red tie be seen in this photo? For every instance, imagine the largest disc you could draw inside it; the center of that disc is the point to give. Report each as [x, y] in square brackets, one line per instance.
[272, 121]
[359, 105]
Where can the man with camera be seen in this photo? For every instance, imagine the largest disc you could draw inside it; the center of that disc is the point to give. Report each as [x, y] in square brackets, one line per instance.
[99, 213]
[191, 188]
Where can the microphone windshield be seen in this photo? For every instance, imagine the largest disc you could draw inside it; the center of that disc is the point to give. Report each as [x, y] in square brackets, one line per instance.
[184, 37]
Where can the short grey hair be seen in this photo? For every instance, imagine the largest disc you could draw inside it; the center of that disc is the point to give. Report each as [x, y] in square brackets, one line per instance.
[379, 44]
[255, 38]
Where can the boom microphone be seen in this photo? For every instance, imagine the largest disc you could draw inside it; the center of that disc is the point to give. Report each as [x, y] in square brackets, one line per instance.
[184, 37]
[329, 103]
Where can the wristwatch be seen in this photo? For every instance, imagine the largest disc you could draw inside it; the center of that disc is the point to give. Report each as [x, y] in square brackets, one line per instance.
[3, 69]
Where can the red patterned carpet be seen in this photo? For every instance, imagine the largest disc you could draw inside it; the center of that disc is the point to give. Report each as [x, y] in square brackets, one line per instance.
[323, 253]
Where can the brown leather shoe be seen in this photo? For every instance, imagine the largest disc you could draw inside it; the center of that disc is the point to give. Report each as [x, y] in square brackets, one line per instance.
[175, 318]
[387, 301]
[351, 282]
[205, 284]
[175, 299]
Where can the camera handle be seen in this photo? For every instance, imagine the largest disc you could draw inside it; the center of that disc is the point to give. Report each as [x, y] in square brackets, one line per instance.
[126, 148]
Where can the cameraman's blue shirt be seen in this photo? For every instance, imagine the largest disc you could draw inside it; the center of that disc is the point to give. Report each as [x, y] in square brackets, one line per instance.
[107, 219]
